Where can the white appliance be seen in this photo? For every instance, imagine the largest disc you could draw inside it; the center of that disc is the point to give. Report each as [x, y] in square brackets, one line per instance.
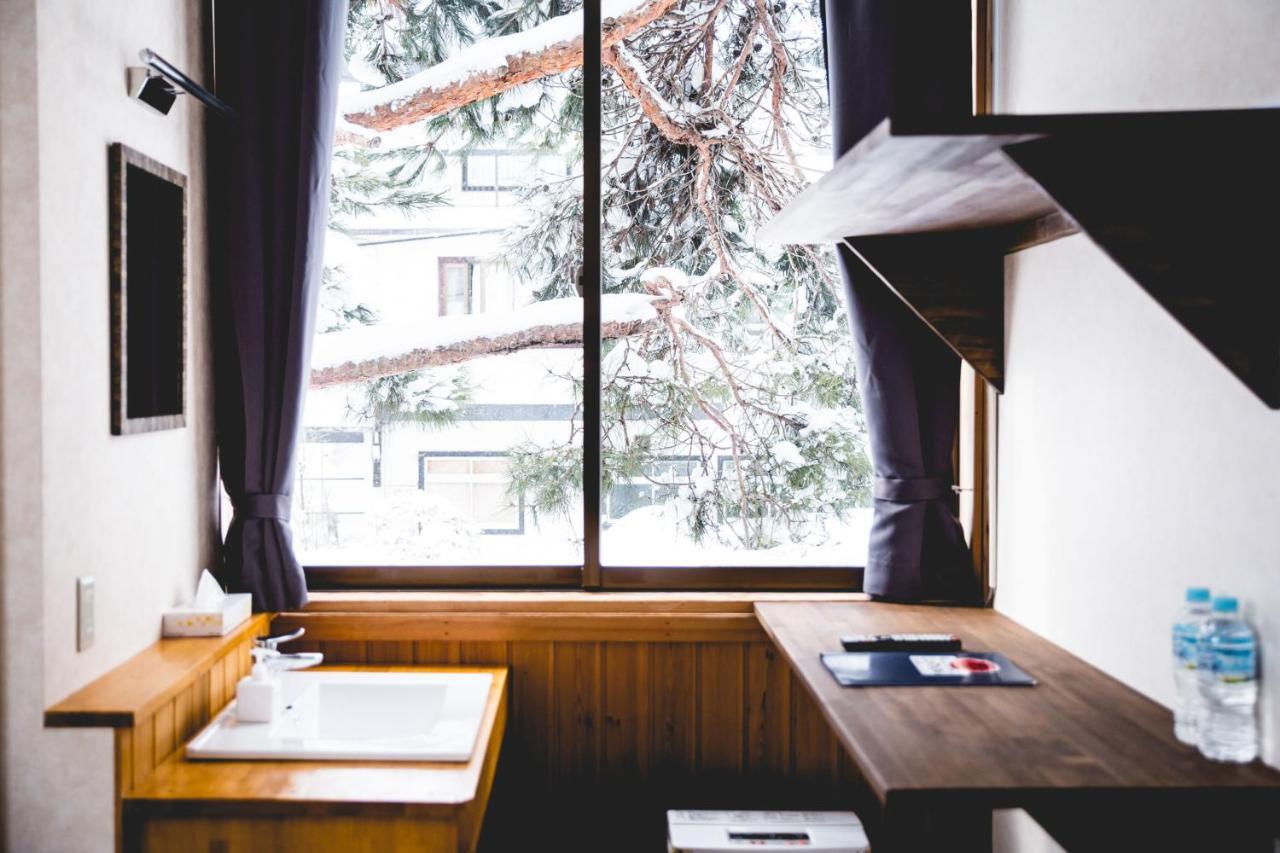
[724, 832]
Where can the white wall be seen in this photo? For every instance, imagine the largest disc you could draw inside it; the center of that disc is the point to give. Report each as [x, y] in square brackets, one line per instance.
[1131, 463]
[1117, 55]
[135, 512]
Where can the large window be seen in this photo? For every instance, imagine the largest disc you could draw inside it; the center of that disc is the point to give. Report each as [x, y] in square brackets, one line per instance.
[610, 379]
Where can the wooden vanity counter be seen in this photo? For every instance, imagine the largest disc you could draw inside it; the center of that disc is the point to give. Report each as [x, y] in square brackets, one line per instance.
[286, 806]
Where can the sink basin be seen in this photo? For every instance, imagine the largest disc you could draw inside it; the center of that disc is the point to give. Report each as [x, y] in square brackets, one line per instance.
[370, 716]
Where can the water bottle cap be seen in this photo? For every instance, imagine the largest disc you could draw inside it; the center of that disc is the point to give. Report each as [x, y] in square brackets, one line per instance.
[1225, 604]
[1197, 595]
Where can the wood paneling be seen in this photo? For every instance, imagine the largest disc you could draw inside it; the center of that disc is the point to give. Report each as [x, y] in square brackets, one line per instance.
[141, 685]
[269, 835]
[290, 805]
[611, 733]
[568, 601]
[592, 711]
[143, 747]
[628, 714]
[520, 625]
[608, 726]
[158, 735]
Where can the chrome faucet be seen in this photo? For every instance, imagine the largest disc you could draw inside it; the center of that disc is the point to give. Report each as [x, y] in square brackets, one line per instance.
[266, 651]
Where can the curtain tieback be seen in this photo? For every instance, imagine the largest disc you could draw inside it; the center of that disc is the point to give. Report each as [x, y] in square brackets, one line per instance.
[264, 506]
[911, 489]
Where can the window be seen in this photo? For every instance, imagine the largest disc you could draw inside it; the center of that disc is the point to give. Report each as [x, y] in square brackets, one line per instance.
[474, 483]
[456, 286]
[612, 384]
[499, 171]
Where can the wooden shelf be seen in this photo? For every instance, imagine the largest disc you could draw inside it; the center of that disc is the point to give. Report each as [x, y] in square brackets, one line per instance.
[1083, 752]
[1183, 201]
[890, 184]
[136, 688]
[1192, 218]
[933, 217]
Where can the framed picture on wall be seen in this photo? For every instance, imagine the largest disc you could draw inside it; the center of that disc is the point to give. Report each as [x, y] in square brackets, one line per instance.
[148, 293]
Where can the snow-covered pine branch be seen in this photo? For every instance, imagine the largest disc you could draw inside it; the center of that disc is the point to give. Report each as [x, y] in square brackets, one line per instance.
[494, 65]
[368, 352]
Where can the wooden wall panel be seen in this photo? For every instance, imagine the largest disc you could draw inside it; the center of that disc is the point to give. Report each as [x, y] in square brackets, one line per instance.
[532, 740]
[768, 707]
[143, 747]
[628, 710]
[579, 709]
[722, 698]
[618, 724]
[583, 712]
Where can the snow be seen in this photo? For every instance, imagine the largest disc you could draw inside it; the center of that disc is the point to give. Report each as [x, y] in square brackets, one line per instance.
[788, 454]
[490, 55]
[366, 72]
[520, 97]
[341, 251]
[617, 217]
[655, 536]
[365, 343]
[655, 275]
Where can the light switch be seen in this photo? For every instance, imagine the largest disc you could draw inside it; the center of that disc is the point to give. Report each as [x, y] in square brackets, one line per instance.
[84, 613]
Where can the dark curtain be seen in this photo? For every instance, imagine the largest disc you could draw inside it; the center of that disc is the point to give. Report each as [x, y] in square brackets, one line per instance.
[909, 379]
[277, 64]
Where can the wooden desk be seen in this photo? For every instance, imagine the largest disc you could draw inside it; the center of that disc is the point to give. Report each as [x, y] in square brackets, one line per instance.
[283, 806]
[1093, 760]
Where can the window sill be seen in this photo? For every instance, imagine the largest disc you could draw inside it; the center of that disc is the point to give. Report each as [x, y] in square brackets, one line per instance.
[539, 616]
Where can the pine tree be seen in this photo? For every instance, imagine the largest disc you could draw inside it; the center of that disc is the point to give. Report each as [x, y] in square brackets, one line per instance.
[713, 115]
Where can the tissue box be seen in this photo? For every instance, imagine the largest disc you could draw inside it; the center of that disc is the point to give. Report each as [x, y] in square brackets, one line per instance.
[190, 621]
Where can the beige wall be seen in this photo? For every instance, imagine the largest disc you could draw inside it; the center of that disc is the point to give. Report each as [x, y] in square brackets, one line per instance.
[135, 512]
[1131, 463]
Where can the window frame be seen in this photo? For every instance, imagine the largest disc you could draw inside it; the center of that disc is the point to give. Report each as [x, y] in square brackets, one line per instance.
[591, 574]
[496, 154]
[424, 455]
[441, 264]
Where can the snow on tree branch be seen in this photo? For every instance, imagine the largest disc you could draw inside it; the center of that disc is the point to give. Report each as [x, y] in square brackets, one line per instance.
[368, 352]
[495, 65]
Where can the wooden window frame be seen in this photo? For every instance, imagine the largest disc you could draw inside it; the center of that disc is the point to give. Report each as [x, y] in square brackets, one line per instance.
[592, 574]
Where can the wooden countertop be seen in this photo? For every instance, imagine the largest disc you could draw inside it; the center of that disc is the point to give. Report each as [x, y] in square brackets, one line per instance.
[1077, 729]
[147, 680]
[400, 788]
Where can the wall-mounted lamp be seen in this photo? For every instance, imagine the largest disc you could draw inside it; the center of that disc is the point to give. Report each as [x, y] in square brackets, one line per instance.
[157, 83]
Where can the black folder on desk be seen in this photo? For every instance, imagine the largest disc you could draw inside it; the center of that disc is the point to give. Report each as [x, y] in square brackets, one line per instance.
[912, 669]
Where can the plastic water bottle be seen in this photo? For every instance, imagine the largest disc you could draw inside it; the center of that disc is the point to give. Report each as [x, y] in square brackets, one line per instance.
[1228, 675]
[1186, 631]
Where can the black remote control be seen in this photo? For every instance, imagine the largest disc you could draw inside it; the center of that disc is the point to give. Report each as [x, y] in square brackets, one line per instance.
[923, 643]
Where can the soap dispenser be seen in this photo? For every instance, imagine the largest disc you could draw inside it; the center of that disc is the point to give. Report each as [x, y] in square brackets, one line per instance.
[259, 698]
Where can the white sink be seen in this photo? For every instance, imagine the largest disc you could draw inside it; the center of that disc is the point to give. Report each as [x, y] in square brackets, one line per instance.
[370, 716]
